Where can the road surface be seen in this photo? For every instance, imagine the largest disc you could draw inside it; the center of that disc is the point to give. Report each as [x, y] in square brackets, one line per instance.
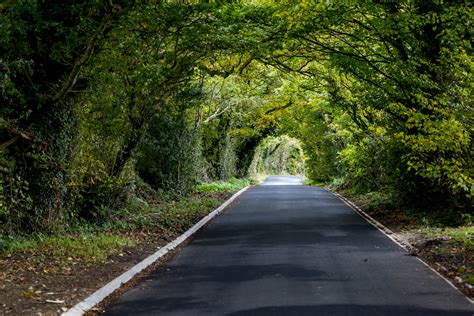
[289, 249]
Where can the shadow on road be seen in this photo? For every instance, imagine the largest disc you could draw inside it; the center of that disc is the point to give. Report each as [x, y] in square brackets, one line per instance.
[346, 310]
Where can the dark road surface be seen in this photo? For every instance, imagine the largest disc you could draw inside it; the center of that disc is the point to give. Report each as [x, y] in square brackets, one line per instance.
[289, 249]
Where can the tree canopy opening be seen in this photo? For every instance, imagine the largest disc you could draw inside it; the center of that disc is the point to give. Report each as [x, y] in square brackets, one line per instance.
[281, 155]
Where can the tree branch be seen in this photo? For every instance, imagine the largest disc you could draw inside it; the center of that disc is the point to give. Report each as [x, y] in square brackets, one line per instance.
[287, 105]
[89, 49]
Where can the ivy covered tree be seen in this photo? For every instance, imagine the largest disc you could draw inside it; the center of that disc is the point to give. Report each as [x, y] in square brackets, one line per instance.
[44, 47]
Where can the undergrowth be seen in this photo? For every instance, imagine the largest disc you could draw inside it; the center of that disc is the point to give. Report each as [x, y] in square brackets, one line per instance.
[223, 186]
[92, 242]
[87, 247]
[463, 235]
[388, 201]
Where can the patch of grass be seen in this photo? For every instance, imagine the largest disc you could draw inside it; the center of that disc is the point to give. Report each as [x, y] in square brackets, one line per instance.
[315, 183]
[87, 247]
[440, 218]
[338, 182]
[223, 186]
[470, 279]
[94, 242]
[10, 244]
[380, 200]
[464, 235]
[258, 178]
[177, 214]
[184, 212]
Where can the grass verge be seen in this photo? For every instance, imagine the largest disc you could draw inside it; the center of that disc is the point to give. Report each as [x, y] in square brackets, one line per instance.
[48, 273]
[87, 247]
[224, 186]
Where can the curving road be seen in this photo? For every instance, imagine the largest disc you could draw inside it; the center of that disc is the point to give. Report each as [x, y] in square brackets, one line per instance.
[290, 249]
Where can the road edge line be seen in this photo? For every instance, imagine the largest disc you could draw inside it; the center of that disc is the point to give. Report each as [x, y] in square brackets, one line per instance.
[390, 234]
[102, 293]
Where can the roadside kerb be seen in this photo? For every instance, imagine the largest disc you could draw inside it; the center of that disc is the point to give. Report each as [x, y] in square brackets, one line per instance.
[390, 234]
[102, 293]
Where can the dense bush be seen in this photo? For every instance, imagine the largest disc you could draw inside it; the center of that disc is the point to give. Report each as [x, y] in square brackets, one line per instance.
[168, 156]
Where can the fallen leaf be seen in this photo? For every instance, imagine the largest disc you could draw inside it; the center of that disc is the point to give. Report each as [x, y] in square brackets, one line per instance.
[55, 301]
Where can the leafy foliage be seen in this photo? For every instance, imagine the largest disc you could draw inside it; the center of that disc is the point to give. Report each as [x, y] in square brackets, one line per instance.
[223, 186]
[97, 94]
[168, 156]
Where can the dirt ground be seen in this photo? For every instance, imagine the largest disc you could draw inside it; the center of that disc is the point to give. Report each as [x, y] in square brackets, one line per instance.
[42, 284]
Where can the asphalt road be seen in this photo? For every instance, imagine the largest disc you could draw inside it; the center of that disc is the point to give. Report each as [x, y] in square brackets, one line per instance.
[289, 249]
